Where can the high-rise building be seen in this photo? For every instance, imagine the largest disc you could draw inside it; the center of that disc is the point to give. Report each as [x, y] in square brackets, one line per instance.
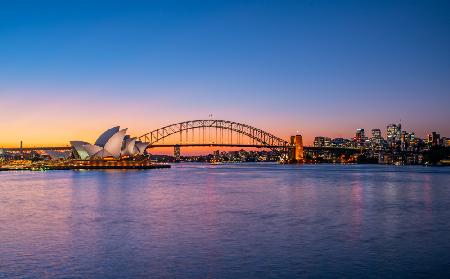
[376, 139]
[360, 136]
[404, 140]
[435, 139]
[394, 134]
[412, 141]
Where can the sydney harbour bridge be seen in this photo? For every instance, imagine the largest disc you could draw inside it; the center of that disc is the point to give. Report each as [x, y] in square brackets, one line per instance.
[212, 133]
[221, 133]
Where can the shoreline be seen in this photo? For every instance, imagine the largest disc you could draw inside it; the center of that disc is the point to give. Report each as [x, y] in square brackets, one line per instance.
[46, 168]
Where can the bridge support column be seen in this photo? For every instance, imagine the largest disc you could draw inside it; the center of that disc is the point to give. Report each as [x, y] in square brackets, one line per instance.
[296, 153]
[291, 155]
[176, 153]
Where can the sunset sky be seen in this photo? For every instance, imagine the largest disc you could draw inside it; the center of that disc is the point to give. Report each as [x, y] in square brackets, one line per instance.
[72, 69]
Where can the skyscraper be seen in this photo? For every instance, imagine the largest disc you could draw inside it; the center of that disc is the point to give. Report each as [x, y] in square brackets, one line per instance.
[394, 133]
[360, 136]
[376, 139]
[435, 139]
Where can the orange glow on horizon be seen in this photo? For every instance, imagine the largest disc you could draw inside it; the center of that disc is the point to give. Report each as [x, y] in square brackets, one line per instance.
[55, 120]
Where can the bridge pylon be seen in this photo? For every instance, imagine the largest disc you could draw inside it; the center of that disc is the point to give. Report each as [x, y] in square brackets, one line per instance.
[296, 154]
[177, 153]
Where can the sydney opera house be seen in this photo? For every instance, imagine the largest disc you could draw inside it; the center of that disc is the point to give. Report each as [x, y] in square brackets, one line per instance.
[113, 143]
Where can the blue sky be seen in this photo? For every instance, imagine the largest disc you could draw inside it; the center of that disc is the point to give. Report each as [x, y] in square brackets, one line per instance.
[321, 67]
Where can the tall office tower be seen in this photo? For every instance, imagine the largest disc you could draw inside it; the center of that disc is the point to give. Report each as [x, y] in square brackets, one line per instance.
[360, 136]
[411, 141]
[399, 131]
[435, 139]
[394, 133]
[404, 140]
[376, 138]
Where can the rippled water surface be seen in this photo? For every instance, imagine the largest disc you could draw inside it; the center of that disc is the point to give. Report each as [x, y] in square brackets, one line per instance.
[226, 221]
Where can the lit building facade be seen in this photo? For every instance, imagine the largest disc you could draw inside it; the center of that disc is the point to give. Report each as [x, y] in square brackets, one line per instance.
[360, 135]
[376, 134]
[393, 134]
[320, 141]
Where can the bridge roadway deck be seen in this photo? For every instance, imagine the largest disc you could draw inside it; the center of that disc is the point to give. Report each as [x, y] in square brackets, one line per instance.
[218, 145]
[65, 148]
[37, 148]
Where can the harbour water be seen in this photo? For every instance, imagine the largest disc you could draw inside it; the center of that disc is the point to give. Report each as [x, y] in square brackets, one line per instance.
[226, 221]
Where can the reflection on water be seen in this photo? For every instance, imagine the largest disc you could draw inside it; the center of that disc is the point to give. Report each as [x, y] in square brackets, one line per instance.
[226, 221]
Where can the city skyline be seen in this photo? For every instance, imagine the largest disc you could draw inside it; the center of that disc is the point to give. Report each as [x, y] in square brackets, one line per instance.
[361, 137]
[323, 69]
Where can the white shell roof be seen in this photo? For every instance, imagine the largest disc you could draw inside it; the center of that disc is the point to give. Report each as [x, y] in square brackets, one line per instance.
[92, 149]
[141, 146]
[129, 147]
[103, 138]
[78, 146]
[114, 144]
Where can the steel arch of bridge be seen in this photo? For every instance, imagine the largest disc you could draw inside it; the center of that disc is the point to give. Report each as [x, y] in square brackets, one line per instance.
[262, 138]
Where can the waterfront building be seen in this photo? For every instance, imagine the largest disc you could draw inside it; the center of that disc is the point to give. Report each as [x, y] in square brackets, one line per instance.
[113, 143]
[319, 141]
[327, 142]
[177, 153]
[340, 142]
